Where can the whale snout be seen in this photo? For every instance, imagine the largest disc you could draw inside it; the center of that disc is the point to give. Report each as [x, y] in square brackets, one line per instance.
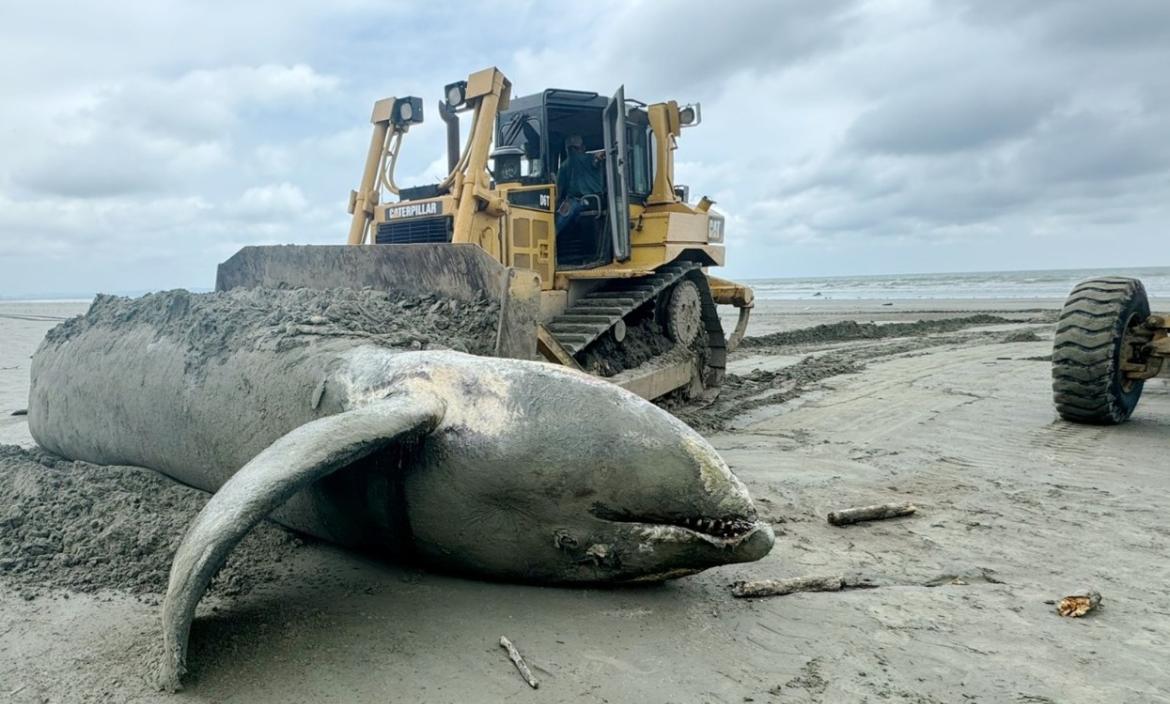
[586, 483]
[702, 515]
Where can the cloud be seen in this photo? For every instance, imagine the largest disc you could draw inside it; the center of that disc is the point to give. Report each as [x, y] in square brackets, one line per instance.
[144, 141]
[1125, 25]
[116, 163]
[147, 134]
[934, 119]
[203, 103]
[279, 201]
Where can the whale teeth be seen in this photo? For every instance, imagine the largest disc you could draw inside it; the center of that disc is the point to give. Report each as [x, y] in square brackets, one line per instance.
[718, 527]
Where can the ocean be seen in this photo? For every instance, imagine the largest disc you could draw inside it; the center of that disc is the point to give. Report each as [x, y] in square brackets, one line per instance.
[1053, 283]
[1050, 283]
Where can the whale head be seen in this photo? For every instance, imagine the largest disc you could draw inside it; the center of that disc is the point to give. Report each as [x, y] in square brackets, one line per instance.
[539, 473]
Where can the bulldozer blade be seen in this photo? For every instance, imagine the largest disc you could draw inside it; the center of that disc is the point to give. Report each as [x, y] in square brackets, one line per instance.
[459, 271]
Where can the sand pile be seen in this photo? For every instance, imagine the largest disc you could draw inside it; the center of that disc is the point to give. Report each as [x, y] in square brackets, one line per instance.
[85, 527]
[853, 330]
[216, 324]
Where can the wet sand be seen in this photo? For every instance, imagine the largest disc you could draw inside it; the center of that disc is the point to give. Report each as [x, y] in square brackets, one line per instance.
[1015, 508]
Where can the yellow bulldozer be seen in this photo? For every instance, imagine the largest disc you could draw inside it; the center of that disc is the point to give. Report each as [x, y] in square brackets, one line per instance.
[619, 289]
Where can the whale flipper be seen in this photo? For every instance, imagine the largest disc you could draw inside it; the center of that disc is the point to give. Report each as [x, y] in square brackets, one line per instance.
[279, 471]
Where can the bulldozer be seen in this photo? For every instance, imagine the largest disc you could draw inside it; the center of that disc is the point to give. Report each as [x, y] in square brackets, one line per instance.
[1107, 345]
[622, 290]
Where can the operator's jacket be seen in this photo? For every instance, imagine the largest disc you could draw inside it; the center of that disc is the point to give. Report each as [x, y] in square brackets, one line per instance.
[579, 175]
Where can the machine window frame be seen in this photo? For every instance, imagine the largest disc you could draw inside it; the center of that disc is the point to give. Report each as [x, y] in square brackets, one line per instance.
[537, 122]
[640, 156]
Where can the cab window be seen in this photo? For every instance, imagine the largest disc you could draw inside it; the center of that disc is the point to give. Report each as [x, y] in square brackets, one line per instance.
[522, 130]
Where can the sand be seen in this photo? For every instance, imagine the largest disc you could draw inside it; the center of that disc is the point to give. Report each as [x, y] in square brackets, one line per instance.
[1016, 509]
[85, 528]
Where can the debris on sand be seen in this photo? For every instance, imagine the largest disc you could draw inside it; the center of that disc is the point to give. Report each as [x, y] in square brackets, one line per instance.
[1022, 336]
[852, 330]
[1078, 605]
[877, 512]
[742, 393]
[779, 587]
[518, 661]
[84, 527]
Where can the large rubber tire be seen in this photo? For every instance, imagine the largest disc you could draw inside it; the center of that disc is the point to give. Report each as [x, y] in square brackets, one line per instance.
[1088, 385]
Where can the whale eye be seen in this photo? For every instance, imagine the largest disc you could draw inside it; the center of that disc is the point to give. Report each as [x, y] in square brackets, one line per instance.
[562, 540]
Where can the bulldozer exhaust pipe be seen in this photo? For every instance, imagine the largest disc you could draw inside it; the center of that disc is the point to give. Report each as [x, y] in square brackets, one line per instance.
[452, 119]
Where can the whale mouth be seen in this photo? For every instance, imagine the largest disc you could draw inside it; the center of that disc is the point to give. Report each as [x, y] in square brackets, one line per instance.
[724, 530]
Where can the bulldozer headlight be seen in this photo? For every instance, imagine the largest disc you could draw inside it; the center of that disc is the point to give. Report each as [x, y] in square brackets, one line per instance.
[690, 115]
[456, 93]
[507, 165]
[407, 111]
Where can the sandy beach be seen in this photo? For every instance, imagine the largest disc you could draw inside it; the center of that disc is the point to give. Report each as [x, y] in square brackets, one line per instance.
[1015, 509]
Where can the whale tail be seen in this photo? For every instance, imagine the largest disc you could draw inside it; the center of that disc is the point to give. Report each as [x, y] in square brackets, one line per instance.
[282, 469]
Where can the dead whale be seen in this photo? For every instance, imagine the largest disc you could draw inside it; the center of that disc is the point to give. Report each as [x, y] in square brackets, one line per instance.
[481, 466]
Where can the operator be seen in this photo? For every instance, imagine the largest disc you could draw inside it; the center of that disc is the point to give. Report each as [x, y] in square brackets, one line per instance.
[578, 176]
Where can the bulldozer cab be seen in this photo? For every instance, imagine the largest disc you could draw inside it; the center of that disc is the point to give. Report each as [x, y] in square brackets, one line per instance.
[531, 150]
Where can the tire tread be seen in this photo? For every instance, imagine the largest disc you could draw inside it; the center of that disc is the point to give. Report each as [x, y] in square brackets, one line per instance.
[1085, 347]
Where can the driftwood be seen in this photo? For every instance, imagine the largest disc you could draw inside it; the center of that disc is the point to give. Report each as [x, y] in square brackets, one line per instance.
[780, 587]
[870, 513]
[518, 661]
[20, 412]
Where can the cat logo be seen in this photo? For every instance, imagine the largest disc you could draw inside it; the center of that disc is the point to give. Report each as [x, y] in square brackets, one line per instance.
[715, 229]
[413, 210]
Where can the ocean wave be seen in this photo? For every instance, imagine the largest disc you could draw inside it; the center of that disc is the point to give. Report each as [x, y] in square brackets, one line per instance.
[993, 284]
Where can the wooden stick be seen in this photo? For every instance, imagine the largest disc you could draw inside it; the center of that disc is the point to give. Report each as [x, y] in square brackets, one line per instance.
[780, 587]
[519, 662]
[870, 513]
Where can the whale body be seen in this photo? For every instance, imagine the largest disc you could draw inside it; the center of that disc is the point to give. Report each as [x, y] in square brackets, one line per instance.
[481, 466]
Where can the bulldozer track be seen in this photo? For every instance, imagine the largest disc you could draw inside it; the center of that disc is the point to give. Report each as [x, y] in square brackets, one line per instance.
[597, 312]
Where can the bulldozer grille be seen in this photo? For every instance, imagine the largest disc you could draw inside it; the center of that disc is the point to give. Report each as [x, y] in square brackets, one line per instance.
[414, 231]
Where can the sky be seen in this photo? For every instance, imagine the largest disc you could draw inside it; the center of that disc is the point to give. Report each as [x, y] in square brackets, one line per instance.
[145, 141]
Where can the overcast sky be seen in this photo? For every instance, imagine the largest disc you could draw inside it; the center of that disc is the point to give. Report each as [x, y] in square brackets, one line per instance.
[144, 141]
